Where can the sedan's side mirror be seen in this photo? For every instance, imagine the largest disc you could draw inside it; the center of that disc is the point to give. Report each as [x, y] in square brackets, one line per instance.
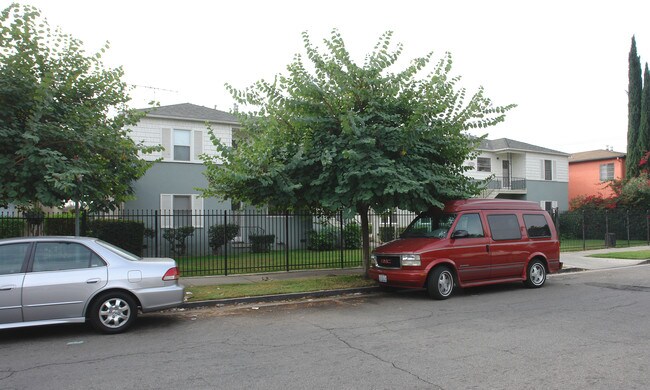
[460, 234]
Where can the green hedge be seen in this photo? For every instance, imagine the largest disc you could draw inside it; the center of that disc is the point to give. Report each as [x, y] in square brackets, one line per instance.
[11, 227]
[596, 225]
[324, 239]
[220, 235]
[262, 243]
[59, 225]
[128, 235]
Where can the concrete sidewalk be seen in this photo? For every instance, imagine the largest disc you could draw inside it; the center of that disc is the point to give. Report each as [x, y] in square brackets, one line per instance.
[582, 261]
[573, 261]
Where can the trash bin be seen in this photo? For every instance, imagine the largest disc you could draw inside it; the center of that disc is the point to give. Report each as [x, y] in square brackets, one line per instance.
[610, 240]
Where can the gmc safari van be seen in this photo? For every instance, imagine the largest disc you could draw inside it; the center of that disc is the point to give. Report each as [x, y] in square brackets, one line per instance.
[469, 243]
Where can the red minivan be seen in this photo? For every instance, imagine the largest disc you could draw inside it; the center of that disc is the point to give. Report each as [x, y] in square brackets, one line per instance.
[471, 242]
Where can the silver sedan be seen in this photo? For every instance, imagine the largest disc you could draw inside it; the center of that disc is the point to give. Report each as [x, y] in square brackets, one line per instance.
[57, 280]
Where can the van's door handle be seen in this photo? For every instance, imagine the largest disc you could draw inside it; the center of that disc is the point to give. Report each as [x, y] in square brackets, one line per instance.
[7, 288]
[90, 281]
[487, 248]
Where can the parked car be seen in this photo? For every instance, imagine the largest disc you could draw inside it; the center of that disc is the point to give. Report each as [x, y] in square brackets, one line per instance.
[58, 280]
[471, 242]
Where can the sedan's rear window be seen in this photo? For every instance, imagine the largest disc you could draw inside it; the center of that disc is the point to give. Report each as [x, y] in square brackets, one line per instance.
[119, 251]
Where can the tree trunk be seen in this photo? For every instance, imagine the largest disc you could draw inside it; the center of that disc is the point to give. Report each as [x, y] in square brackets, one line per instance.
[365, 238]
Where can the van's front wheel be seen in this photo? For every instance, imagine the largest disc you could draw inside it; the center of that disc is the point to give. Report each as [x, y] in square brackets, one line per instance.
[536, 274]
[440, 283]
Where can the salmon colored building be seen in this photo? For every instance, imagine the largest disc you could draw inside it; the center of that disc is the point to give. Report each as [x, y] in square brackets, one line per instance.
[590, 172]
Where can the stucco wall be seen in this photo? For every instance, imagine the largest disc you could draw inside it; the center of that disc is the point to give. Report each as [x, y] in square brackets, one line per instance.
[585, 177]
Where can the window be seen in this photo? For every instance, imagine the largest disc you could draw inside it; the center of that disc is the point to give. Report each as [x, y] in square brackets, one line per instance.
[536, 226]
[56, 256]
[177, 210]
[504, 227]
[484, 164]
[471, 223]
[607, 172]
[548, 205]
[548, 170]
[12, 257]
[182, 145]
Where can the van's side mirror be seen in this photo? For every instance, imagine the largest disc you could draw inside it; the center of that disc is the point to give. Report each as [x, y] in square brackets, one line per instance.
[460, 234]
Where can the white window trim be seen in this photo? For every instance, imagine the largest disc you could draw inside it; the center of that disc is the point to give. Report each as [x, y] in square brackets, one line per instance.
[196, 144]
[553, 169]
[606, 178]
[167, 210]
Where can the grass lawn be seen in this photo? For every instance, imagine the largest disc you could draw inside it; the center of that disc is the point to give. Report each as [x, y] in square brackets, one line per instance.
[569, 245]
[631, 255]
[245, 262]
[270, 287]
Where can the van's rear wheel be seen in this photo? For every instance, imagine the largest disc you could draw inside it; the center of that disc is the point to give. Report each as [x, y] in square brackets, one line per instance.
[536, 274]
[440, 283]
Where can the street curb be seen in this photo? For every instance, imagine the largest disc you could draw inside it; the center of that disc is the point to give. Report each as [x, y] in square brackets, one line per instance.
[314, 294]
[280, 297]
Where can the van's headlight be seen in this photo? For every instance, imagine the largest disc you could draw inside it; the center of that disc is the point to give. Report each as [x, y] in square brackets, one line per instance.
[373, 260]
[411, 260]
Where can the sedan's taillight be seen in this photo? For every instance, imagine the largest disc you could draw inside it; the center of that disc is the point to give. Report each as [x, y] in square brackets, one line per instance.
[171, 274]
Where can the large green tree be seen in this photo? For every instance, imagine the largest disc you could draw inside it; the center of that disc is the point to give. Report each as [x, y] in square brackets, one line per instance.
[643, 142]
[62, 119]
[635, 86]
[333, 134]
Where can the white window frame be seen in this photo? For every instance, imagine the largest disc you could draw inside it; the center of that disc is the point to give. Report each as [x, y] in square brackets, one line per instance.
[542, 203]
[481, 167]
[606, 168]
[195, 144]
[553, 169]
[167, 210]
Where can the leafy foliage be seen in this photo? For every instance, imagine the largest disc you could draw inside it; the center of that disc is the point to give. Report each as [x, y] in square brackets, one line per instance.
[11, 227]
[176, 237]
[643, 142]
[220, 235]
[122, 233]
[62, 119]
[261, 243]
[333, 134]
[635, 86]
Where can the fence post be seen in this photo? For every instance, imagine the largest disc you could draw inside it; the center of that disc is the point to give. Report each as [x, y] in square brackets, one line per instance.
[584, 239]
[225, 245]
[156, 233]
[627, 224]
[647, 226]
[341, 236]
[286, 238]
[606, 228]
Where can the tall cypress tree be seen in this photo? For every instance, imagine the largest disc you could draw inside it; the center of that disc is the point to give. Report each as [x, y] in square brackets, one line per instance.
[634, 112]
[643, 143]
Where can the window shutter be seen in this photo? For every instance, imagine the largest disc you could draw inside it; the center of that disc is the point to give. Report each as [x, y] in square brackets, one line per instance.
[554, 170]
[166, 211]
[198, 145]
[167, 144]
[542, 170]
[197, 211]
[554, 204]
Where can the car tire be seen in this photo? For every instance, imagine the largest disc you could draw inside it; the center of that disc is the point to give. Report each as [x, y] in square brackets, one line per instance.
[535, 274]
[441, 283]
[113, 312]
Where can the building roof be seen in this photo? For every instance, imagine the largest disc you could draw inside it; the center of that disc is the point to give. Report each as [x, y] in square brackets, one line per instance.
[506, 144]
[188, 111]
[595, 155]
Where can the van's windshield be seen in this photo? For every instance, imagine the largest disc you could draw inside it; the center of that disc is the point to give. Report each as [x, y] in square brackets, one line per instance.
[429, 225]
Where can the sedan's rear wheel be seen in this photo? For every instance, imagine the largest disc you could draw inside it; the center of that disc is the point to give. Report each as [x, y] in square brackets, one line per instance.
[113, 312]
[536, 274]
[441, 283]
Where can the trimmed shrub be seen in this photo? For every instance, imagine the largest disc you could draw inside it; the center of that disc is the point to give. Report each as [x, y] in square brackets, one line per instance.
[128, 235]
[352, 236]
[59, 225]
[387, 233]
[11, 227]
[324, 239]
[176, 238]
[220, 235]
[262, 243]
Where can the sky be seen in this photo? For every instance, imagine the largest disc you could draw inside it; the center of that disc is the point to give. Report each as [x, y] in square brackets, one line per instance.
[564, 63]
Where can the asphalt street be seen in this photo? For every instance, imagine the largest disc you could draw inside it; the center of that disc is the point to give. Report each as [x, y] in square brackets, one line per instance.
[583, 330]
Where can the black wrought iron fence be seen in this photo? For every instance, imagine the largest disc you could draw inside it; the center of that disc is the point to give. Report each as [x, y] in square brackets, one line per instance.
[597, 229]
[222, 242]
